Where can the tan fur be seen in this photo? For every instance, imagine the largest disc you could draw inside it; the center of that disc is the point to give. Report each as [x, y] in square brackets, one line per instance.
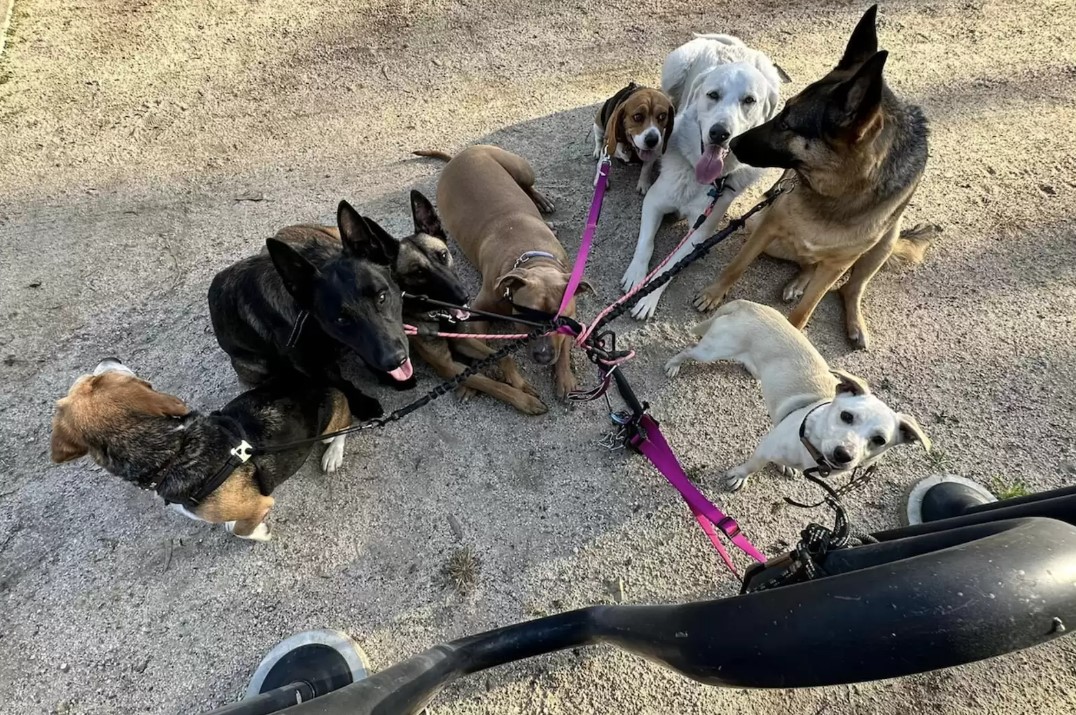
[238, 499]
[341, 417]
[489, 205]
[793, 229]
[99, 404]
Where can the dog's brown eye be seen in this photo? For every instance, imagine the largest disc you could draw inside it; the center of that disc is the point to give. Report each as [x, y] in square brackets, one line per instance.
[637, 117]
[749, 100]
[847, 417]
[442, 256]
[381, 297]
[341, 320]
[878, 440]
[715, 95]
[661, 117]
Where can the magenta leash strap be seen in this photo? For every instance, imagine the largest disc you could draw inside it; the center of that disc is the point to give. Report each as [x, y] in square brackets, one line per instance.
[601, 181]
[655, 448]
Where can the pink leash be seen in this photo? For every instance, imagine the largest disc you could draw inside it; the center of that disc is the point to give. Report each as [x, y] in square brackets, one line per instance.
[651, 442]
[601, 182]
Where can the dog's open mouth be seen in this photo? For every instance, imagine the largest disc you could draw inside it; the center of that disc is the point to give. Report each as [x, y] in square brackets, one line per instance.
[646, 154]
[403, 372]
[712, 164]
[459, 314]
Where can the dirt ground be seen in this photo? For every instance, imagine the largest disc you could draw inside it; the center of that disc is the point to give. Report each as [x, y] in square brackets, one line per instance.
[146, 144]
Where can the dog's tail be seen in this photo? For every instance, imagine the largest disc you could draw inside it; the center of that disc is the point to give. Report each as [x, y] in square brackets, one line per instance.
[912, 245]
[433, 154]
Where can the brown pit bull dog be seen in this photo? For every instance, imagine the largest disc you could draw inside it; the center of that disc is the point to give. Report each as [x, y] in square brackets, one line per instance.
[489, 205]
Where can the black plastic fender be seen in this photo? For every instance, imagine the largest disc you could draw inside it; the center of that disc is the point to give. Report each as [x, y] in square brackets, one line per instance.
[901, 606]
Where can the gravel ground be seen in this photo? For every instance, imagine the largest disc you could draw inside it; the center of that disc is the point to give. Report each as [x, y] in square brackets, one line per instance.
[145, 145]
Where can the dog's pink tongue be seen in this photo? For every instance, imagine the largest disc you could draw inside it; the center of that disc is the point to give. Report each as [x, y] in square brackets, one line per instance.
[460, 314]
[403, 372]
[711, 165]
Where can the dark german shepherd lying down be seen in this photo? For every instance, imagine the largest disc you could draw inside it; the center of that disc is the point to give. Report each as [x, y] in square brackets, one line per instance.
[314, 293]
[857, 154]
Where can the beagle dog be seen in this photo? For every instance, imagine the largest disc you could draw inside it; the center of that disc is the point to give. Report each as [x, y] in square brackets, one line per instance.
[631, 125]
[155, 441]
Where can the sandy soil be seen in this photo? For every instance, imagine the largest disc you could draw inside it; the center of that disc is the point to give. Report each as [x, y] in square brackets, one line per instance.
[145, 145]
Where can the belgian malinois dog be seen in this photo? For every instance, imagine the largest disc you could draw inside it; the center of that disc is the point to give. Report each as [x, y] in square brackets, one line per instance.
[856, 154]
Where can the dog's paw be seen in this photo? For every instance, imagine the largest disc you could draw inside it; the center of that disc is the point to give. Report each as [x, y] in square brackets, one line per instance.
[531, 405]
[633, 276]
[672, 368]
[859, 337]
[333, 456]
[544, 204]
[527, 387]
[564, 384]
[710, 297]
[736, 478]
[786, 471]
[794, 289]
[261, 532]
[464, 393]
[645, 182]
[645, 308]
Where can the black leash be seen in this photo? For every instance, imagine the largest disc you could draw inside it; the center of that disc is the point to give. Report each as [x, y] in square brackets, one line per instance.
[398, 414]
[783, 186]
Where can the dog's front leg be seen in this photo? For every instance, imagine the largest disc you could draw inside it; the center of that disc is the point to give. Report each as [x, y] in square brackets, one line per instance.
[564, 379]
[487, 302]
[646, 307]
[826, 273]
[646, 177]
[852, 292]
[362, 406]
[737, 477]
[654, 210]
[714, 294]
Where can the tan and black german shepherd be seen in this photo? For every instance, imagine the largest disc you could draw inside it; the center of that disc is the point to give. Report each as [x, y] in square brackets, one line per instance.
[856, 153]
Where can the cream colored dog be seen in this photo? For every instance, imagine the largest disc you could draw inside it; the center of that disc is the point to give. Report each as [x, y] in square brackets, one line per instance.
[844, 425]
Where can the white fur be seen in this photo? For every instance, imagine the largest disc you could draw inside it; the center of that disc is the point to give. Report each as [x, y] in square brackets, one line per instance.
[180, 509]
[622, 152]
[795, 380]
[334, 454]
[260, 533]
[707, 67]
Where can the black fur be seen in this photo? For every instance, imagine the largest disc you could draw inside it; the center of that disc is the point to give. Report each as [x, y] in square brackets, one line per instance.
[346, 286]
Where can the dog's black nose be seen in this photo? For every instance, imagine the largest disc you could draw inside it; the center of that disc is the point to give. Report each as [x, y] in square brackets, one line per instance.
[651, 140]
[841, 456]
[719, 134]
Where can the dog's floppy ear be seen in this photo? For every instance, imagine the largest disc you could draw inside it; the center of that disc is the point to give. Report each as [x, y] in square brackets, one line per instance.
[364, 238]
[910, 431]
[299, 275]
[510, 282]
[614, 129]
[859, 98]
[159, 404]
[67, 442]
[864, 41]
[667, 134]
[850, 384]
[425, 216]
[584, 287]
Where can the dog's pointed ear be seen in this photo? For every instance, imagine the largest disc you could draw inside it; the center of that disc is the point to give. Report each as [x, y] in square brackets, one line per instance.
[910, 431]
[364, 238]
[860, 98]
[864, 41]
[425, 216]
[849, 384]
[299, 275]
[614, 129]
[510, 282]
[67, 442]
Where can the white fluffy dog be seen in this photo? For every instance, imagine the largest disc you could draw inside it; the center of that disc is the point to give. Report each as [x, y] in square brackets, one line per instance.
[843, 423]
[721, 88]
